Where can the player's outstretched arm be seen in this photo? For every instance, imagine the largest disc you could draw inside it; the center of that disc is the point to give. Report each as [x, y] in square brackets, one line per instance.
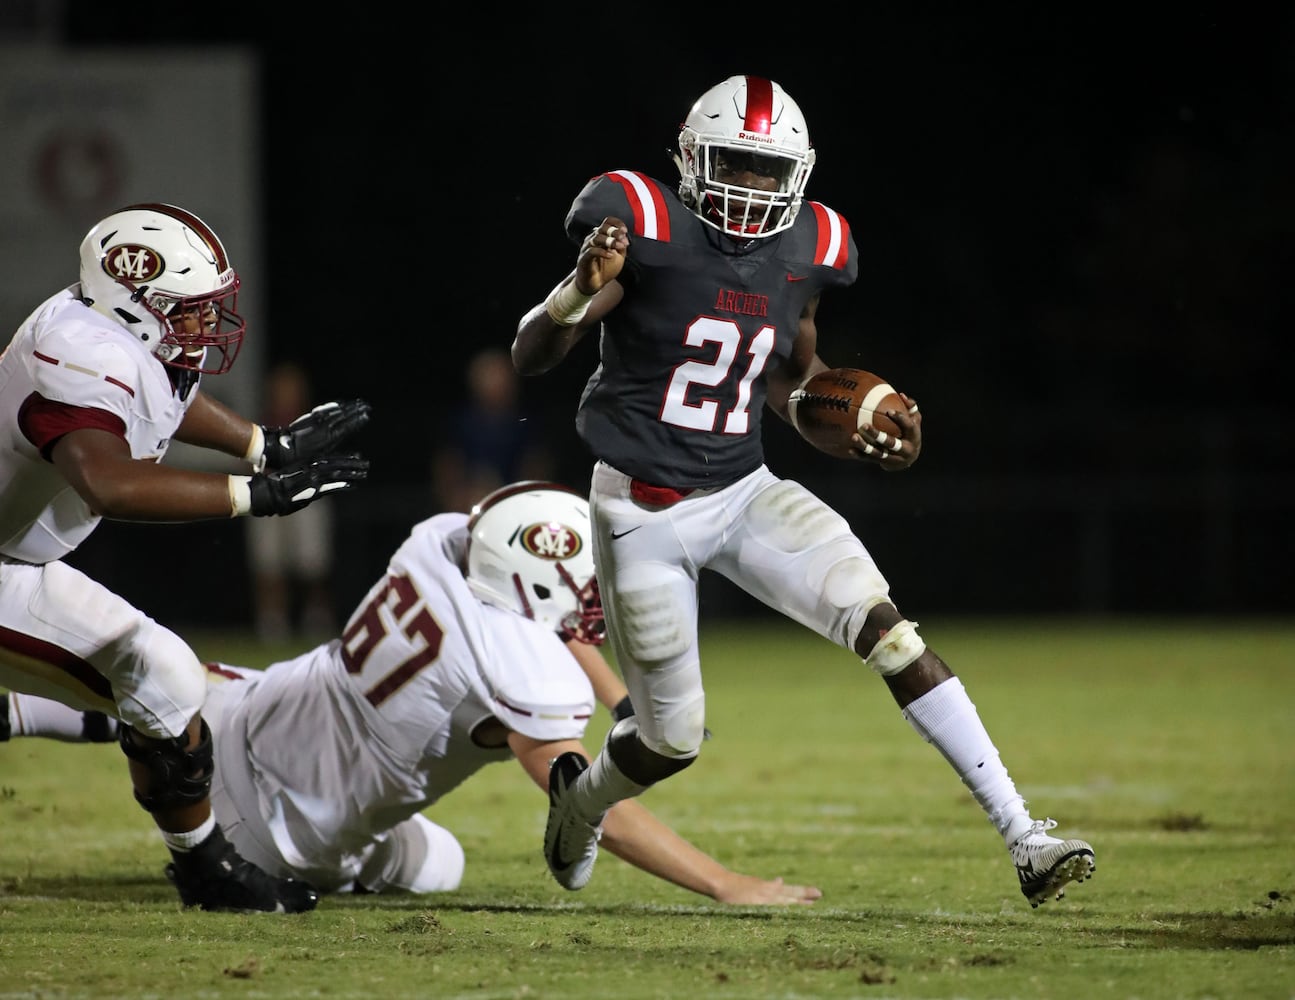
[635, 835]
[576, 304]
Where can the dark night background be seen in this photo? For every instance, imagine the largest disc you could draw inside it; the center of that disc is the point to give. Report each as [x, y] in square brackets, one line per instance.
[1075, 245]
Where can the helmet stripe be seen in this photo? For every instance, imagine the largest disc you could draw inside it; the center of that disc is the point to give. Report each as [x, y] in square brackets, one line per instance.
[759, 105]
[194, 223]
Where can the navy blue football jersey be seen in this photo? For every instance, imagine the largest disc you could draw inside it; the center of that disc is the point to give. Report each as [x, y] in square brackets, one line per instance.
[679, 393]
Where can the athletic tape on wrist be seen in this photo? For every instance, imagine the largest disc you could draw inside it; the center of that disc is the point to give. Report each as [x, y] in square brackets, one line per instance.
[240, 495]
[255, 454]
[566, 304]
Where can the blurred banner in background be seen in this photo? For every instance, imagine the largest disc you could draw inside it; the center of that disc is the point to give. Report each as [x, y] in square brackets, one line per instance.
[84, 132]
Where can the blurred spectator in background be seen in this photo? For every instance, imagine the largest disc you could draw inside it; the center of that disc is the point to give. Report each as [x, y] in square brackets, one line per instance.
[290, 558]
[490, 440]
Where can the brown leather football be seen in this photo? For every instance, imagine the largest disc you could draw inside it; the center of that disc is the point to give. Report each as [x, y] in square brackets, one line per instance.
[833, 404]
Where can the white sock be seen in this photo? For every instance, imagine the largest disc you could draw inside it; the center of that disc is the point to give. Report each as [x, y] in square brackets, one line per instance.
[30, 715]
[603, 785]
[184, 842]
[946, 718]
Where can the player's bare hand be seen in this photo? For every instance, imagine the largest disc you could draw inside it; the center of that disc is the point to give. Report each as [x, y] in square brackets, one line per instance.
[747, 890]
[602, 255]
[887, 450]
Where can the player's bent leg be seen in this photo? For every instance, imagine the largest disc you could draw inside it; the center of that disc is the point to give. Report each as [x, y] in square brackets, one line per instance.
[415, 856]
[172, 778]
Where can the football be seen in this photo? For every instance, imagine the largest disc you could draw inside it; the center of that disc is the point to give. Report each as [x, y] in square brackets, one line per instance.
[833, 404]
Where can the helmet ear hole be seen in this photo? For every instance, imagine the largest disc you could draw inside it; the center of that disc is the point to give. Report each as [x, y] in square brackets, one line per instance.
[542, 592]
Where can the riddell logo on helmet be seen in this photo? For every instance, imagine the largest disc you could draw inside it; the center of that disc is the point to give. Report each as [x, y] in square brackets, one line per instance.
[757, 137]
[134, 262]
[551, 541]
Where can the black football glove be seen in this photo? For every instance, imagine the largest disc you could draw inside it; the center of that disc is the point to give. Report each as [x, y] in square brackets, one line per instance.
[300, 484]
[318, 432]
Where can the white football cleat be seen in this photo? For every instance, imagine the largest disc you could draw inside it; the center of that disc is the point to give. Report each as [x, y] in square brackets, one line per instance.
[570, 843]
[1047, 865]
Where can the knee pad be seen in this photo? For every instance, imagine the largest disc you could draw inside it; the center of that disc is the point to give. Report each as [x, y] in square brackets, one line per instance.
[900, 646]
[637, 761]
[178, 776]
[416, 856]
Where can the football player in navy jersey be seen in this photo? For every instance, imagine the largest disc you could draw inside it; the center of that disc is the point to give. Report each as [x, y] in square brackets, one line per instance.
[705, 298]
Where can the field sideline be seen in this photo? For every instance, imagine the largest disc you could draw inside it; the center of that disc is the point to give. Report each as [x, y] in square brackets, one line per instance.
[1167, 744]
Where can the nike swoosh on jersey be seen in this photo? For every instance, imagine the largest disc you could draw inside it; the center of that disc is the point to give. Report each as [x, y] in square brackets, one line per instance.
[622, 534]
[797, 277]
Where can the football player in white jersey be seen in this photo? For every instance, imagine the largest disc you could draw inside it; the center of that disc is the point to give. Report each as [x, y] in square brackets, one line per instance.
[94, 386]
[477, 645]
[705, 299]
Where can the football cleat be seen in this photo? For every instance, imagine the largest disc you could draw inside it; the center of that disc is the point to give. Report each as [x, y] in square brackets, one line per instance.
[570, 843]
[215, 877]
[1047, 865]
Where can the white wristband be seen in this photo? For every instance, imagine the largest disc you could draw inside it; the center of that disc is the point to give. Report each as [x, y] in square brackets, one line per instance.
[567, 305]
[255, 454]
[240, 495]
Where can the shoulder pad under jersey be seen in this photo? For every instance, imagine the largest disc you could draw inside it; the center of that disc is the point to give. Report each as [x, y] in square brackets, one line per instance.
[821, 236]
[650, 209]
[83, 365]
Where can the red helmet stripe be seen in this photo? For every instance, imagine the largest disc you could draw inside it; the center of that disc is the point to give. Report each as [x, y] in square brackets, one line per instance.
[759, 105]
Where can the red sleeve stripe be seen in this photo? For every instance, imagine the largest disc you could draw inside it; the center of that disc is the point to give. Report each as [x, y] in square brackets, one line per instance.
[651, 218]
[833, 246]
[529, 714]
[83, 370]
[759, 105]
[53, 665]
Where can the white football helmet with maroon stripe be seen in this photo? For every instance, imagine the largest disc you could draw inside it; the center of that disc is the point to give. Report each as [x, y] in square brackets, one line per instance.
[530, 550]
[744, 123]
[163, 274]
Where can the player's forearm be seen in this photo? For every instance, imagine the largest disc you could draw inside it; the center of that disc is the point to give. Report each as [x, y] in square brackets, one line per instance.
[162, 493]
[636, 836]
[609, 689]
[208, 423]
[540, 343]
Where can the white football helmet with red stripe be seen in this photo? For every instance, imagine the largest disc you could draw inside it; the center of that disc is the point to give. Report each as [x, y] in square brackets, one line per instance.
[530, 550]
[744, 123]
[163, 274]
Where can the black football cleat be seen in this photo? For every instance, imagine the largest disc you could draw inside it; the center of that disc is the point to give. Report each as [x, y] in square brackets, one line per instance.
[216, 878]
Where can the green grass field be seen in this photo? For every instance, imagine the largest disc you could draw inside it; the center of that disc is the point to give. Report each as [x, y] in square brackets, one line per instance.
[1168, 745]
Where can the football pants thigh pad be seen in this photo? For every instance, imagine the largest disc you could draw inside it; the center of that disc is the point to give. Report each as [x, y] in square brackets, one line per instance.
[798, 556]
[655, 614]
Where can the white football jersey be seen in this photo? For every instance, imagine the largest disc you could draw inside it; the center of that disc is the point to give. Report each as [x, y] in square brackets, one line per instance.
[66, 353]
[319, 755]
